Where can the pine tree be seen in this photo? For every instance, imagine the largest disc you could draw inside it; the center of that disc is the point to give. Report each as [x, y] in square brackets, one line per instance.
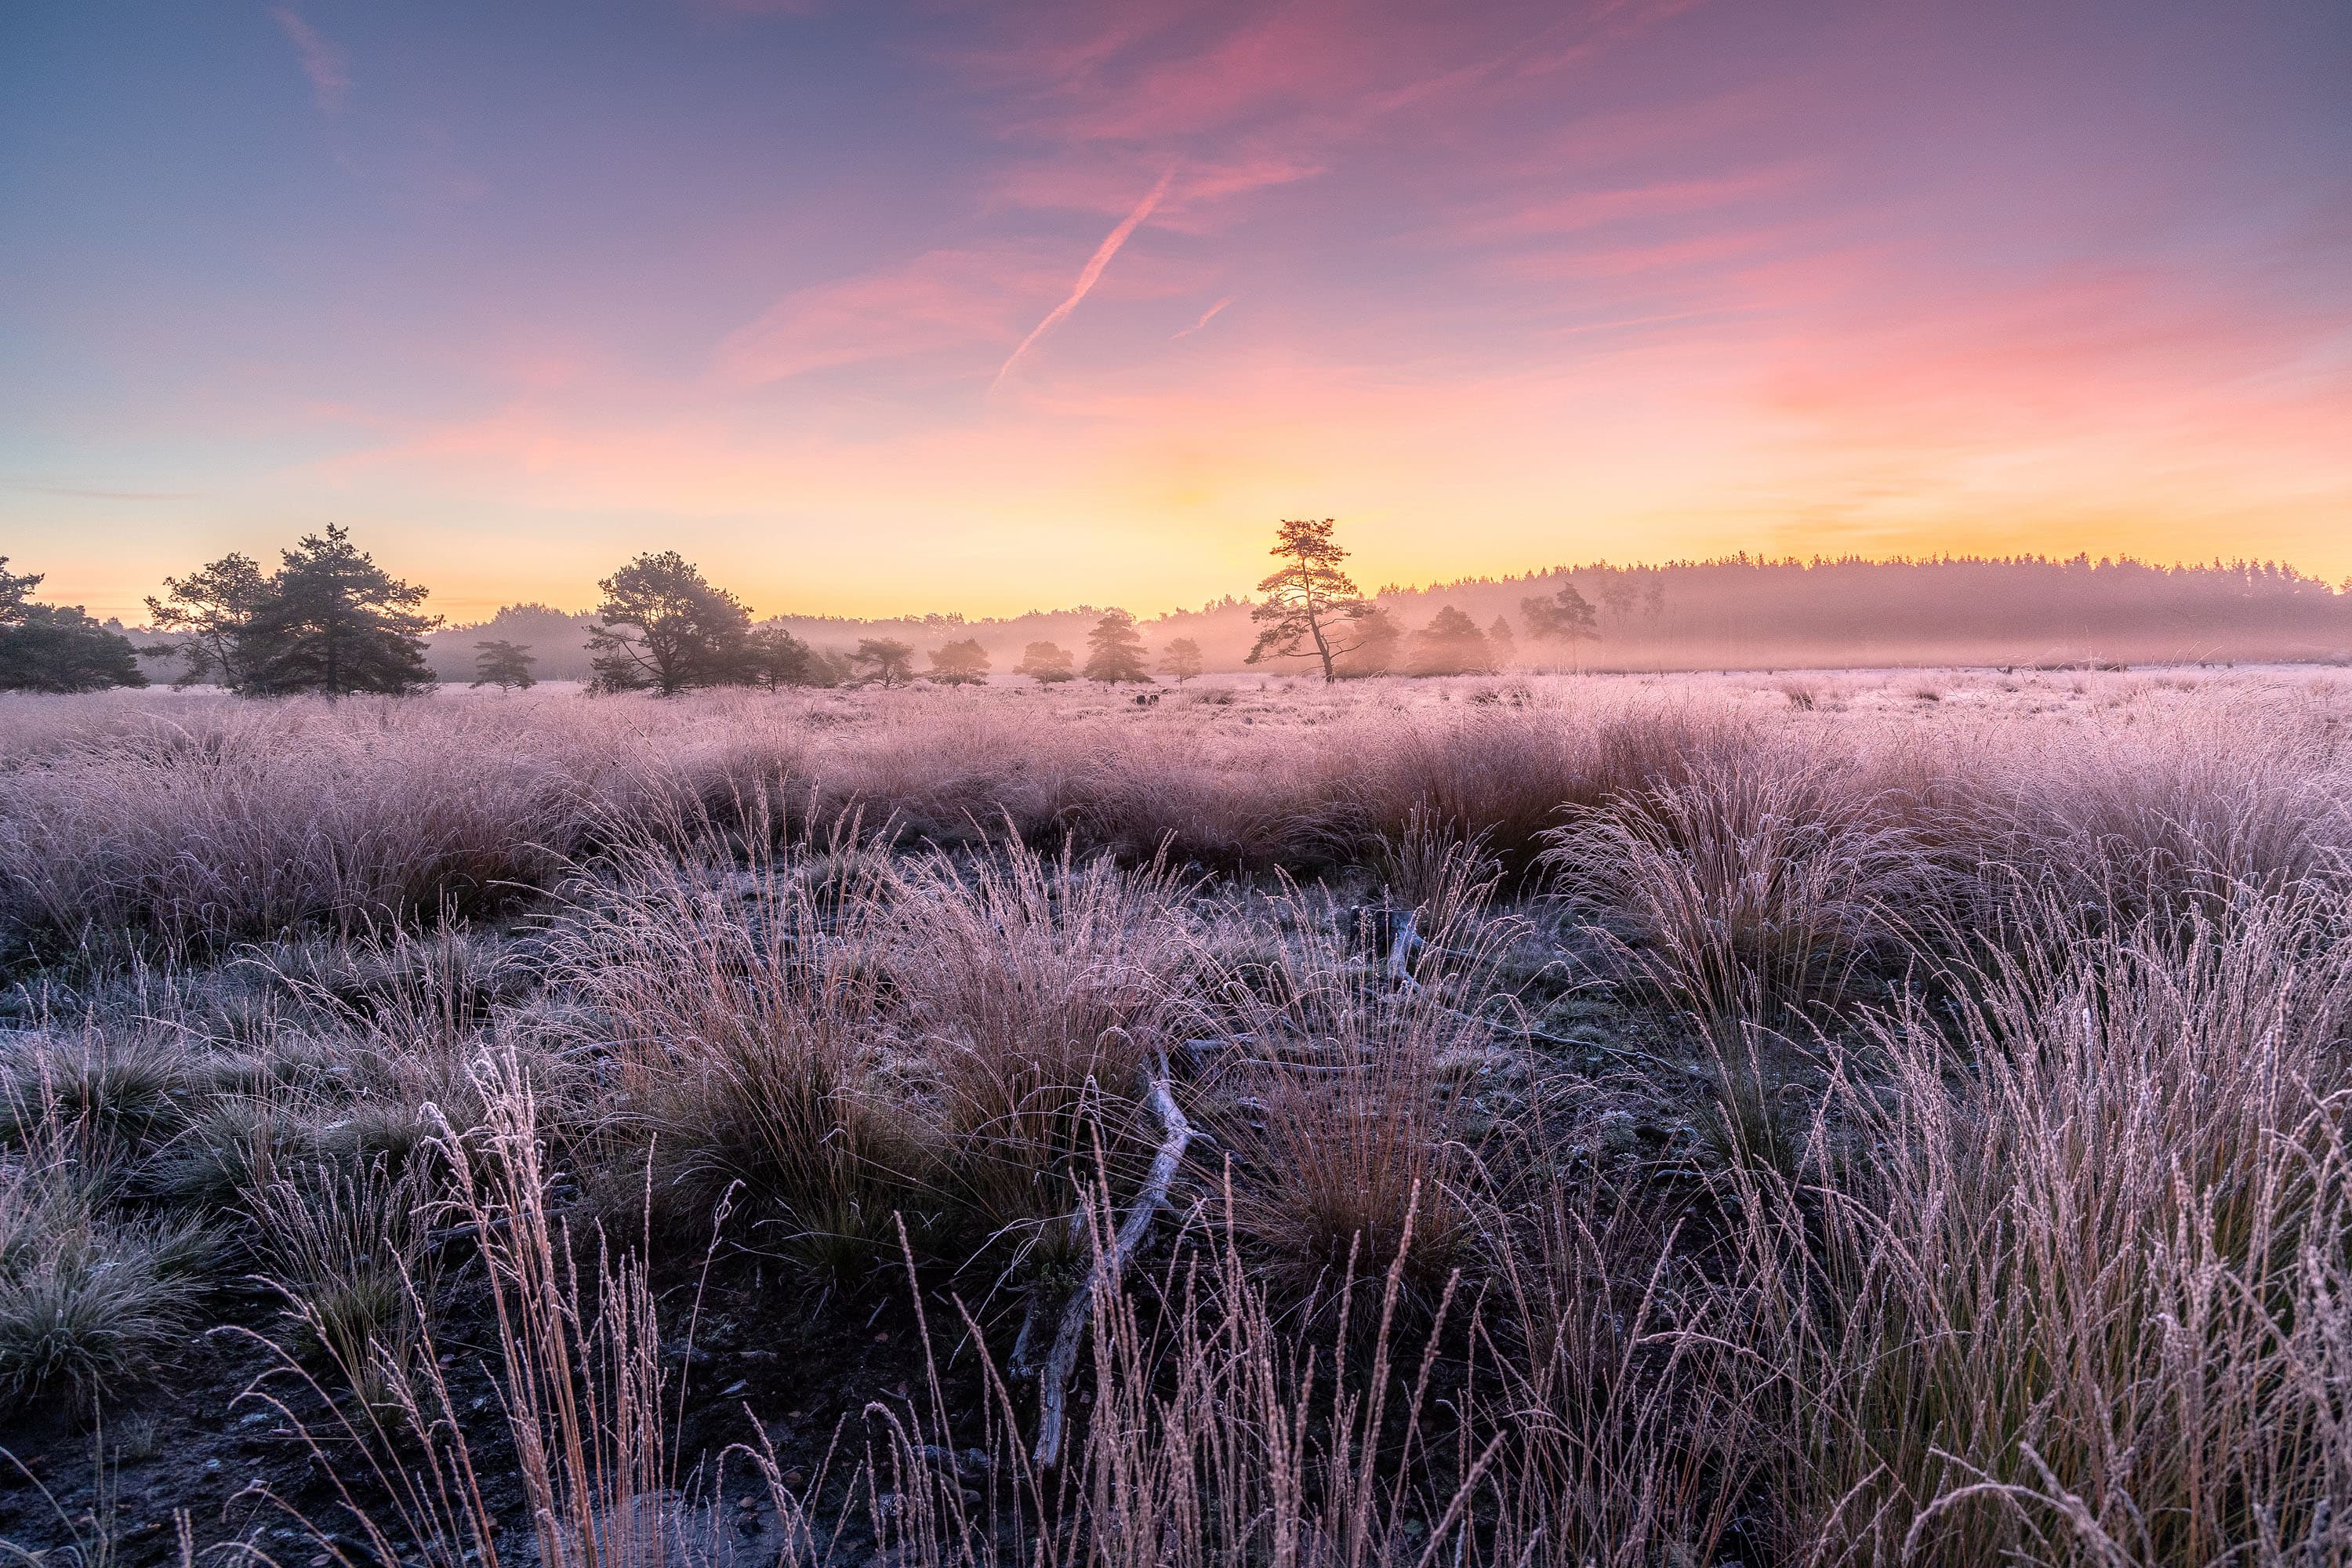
[336, 622]
[211, 607]
[1566, 617]
[56, 648]
[1047, 664]
[1310, 605]
[505, 665]
[961, 663]
[1380, 640]
[1501, 644]
[775, 658]
[1452, 643]
[16, 594]
[1114, 650]
[1182, 660]
[663, 626]
[883, 661]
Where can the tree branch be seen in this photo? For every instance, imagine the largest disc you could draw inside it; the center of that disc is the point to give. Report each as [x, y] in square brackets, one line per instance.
[1051, 1399]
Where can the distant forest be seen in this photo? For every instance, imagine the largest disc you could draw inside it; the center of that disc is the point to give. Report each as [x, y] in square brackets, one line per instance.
[1742, 611]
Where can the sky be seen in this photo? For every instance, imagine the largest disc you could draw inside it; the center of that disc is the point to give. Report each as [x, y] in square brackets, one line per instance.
[872, 307]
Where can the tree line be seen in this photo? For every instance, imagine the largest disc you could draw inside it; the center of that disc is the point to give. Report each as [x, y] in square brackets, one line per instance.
[663, 627]
[56, 648]
[330, 621]
[1313, 609]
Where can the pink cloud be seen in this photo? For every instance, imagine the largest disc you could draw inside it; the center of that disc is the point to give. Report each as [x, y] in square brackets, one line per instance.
[1096, 179]
[1583, 209]
[1158, 72]
[1675, 126]
[322, 61]
[1254, 100]
[1644, 260]
[2114, 407]
[942, 301]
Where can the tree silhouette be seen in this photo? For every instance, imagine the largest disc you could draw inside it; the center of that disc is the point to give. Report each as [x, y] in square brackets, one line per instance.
[883, 661]
[1182, 660]
[211, 607]
[1310, 605]
[56, 648]
[333, 622]
[1617, 596]
[773, 658]
[1115, 650]
[1566, 617]
[1501, 644]
[503, 664]
[961, 663]
[1048, 664]
[1452, 643]
[1379, 646]
[662, 626]
[16, 594]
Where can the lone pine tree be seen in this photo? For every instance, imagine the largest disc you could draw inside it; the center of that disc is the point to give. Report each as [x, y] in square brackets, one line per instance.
[885, 662]
[1181, 661]
[963, 663]
[503, 664]
[1311, 607]
[1114, 650]
[662, 626]
[1452, 643]
[333, 622]
[773, 658]
[1048, 664]
[1502, 643]
[1380, 637]
[1566, 617]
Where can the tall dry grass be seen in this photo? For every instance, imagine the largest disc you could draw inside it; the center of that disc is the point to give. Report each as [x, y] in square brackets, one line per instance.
[584, 1398]
[1944, 1162]
[2062, 1279]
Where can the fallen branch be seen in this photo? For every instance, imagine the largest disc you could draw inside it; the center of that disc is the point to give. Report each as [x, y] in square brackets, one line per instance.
[1023, 1364]
[1202, 1050]
[1402, 944]
[1078, 1311]
[469, 1230]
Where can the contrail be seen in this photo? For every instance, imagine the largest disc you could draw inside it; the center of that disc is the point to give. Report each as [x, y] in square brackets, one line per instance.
[1203, 321]
[1093, 270]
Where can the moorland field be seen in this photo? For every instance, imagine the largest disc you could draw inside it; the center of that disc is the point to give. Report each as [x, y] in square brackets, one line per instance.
[1684, 1119]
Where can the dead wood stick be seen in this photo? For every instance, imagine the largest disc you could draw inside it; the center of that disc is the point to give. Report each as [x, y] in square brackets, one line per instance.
[1054, 1393]
[1199, 1050]
[1023, 1364]
[1400, 947]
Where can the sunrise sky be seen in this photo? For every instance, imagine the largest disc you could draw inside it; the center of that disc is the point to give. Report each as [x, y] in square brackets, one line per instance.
[872, 307]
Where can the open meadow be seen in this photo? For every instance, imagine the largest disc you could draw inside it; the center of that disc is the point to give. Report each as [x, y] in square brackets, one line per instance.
[1831, 1117]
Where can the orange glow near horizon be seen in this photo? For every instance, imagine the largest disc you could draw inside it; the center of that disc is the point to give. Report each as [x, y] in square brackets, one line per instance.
[1499, 292]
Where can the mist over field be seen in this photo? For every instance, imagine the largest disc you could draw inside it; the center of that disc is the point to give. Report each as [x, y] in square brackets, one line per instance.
[1702, 616]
